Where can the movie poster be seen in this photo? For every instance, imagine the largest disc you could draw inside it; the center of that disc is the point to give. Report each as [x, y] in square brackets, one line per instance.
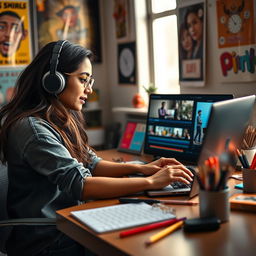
[236, 40]
[15, 33]
[191, 38]
[73, 20]
[120, 15]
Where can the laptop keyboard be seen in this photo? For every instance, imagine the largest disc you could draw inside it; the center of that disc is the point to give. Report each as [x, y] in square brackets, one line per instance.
[178, 184]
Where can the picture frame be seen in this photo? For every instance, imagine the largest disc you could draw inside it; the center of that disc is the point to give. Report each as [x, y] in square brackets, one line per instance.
[127, 63]
[74, 20]
[132, 139]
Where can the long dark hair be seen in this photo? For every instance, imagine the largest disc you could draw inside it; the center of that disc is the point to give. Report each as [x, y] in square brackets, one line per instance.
[30, 99]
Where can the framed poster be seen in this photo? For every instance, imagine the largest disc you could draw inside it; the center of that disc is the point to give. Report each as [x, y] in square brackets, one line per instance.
[73, 20]
[127, 63]
[236, 40]
[15, 33]
[191, 37]
[121, 17]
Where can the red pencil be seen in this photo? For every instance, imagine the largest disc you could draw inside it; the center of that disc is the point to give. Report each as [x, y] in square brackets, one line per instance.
[149, 227]
[253, 164]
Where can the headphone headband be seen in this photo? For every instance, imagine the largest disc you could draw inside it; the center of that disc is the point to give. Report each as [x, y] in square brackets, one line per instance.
[55, 55]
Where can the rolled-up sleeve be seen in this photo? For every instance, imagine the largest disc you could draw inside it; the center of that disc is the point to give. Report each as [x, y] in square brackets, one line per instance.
[94, 160]
[51, 159]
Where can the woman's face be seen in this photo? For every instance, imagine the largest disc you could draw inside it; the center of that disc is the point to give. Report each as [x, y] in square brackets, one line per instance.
[186, 41]
[75, 93]
[195, 26]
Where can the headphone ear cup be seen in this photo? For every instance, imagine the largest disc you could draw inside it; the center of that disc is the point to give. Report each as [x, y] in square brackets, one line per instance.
[53, 83]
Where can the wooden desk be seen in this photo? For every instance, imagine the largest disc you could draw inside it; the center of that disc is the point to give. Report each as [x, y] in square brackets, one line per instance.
[236, 237]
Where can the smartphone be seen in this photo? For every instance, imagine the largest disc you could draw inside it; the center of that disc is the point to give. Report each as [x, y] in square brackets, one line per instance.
[201, 224]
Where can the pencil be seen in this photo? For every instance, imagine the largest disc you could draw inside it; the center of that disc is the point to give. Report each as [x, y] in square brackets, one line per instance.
[164, 233]
[145, 228]
[153, 201]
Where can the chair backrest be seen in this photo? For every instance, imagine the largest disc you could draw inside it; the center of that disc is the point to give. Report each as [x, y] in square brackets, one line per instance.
[4, 231]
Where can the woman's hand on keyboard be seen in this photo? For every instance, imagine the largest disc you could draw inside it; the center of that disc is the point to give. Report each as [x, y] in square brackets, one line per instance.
[157, 165]
[170, 173]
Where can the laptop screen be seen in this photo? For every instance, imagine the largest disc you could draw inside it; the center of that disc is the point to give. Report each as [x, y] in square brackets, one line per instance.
[176, 124]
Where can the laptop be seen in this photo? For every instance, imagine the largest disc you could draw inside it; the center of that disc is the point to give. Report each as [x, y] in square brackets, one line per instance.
[222, 129]
[176, 125]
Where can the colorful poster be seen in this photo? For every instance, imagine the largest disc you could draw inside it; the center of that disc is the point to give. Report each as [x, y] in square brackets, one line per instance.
[236, 40]
[235, 22]
[73, 20]
[191, 38]
[15, 33]
[8, 79]
[120, 15]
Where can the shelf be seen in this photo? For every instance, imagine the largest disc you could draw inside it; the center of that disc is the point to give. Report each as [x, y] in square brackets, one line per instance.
[137, 111]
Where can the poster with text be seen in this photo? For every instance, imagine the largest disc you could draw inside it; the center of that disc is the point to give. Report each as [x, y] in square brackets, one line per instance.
[236, 40]
[15, 33]
[192, 40]
[8, 77]
[74, 20]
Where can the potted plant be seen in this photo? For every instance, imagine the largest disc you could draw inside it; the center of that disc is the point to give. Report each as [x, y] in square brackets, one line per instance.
[151, 89]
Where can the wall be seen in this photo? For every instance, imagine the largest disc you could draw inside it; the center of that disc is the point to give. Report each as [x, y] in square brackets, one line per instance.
[121, 96]
[213, 83]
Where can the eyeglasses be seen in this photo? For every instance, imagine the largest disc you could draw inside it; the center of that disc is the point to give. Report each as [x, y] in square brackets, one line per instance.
[87, 82]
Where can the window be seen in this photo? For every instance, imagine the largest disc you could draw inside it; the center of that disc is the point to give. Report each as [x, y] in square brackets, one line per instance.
[163, 45]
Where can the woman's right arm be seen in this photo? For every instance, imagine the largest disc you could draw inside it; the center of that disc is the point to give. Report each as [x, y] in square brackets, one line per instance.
[106, 187]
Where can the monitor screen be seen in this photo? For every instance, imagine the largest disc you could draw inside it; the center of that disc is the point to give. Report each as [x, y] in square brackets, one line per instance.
[176, 124]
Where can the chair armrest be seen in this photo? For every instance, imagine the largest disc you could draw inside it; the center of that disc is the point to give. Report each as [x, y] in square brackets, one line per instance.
[28, 222]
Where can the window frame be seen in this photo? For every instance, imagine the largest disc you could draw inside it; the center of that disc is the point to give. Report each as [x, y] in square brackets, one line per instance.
[151, 17]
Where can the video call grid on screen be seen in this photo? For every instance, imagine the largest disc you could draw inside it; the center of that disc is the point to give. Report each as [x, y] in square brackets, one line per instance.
[176, 124]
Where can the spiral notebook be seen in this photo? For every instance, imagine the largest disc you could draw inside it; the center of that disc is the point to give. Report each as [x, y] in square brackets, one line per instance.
[121, 216]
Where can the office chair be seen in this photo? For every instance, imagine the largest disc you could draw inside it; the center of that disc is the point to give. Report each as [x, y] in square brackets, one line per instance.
[7, 224]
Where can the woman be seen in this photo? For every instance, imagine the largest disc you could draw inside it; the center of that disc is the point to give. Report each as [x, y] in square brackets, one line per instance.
[50, 164]
[194, 25]
[186, 43]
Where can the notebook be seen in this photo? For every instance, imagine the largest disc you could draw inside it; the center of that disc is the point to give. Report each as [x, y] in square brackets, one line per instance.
[111, 218]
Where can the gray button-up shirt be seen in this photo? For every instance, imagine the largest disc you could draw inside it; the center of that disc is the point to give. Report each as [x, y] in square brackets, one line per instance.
[43, 176]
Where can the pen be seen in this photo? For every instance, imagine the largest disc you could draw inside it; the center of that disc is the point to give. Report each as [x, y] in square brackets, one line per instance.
[241, 159]
[154, 201]
[247, 165]
[164, 232]
[161, 224]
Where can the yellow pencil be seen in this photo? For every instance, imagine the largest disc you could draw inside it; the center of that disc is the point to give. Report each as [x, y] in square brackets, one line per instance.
[164, 233]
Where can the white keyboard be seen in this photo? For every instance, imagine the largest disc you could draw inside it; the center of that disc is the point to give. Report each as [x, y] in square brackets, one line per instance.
[120, 216]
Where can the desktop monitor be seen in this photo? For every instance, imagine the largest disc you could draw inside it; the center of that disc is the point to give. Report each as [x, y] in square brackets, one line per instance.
[227, 123]
[176, 124]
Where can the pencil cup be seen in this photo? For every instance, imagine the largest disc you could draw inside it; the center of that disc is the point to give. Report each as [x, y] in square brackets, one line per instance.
[214, 204]
[249, 181]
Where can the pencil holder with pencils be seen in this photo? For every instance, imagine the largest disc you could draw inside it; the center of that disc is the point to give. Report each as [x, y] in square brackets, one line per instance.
[248, 147]
[214, 204]
[214, 193]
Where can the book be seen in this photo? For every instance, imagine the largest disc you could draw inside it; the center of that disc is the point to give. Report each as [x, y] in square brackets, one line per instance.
[243, 201]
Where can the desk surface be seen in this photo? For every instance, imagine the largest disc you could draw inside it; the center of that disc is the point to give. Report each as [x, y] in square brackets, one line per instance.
[236, 237]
